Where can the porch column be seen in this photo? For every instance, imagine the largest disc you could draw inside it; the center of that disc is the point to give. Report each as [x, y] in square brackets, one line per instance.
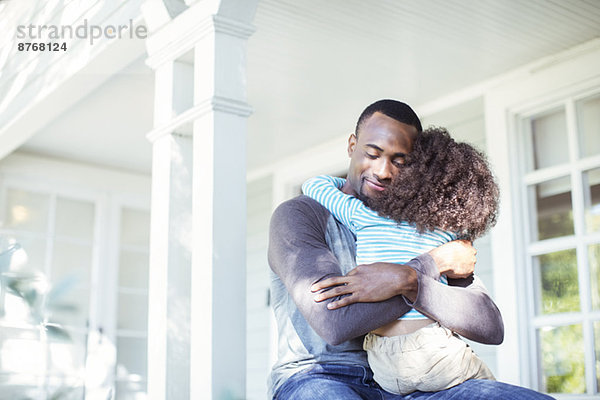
[170, 246]
[197, 311]
[219, 192]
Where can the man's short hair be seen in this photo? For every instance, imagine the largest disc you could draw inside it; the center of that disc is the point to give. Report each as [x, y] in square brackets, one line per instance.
[397, 110]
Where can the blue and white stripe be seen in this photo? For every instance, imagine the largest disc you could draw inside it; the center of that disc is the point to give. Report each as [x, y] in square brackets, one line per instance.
[378, 239]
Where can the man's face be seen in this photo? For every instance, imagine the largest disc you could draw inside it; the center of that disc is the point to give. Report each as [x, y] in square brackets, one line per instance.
[377, 155]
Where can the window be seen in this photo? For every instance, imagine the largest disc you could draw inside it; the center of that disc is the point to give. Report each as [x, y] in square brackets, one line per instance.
[132, 309]
[561, 200]
[57, 233]
[95, 248]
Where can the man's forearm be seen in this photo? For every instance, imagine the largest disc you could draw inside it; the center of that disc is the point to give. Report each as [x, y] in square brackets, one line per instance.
[463, 306]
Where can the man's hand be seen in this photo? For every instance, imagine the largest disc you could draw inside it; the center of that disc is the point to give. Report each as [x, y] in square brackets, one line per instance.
[455, 259]
[369, 283]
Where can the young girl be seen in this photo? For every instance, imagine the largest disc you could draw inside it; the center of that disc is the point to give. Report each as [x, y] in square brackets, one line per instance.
[444, 191]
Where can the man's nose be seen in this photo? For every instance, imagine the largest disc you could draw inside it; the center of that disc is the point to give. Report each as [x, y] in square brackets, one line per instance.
[383, 171]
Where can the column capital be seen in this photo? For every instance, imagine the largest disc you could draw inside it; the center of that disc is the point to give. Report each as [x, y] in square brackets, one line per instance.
[175, 39]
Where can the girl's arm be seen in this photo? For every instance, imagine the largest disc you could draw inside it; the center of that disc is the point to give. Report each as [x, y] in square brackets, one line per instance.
[326, 190]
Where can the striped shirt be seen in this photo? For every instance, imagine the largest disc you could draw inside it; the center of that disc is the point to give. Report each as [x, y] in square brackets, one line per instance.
[378, 239]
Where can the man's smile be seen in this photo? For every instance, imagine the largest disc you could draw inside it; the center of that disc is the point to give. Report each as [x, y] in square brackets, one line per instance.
[375, 185]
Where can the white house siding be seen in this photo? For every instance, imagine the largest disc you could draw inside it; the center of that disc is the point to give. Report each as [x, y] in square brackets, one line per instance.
[466, 123]
[259, 197]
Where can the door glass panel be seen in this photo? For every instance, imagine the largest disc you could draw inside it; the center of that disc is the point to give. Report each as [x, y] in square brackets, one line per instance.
[591, 187]
[135, 227]
[19, 351]
[553, 209]
[71, 308]
[556, 283]
[70, 276]
[133, 312]
[133, 269]
[589, 126]
[131, 390]
[26, 211]
[74, 218]
[67, 356]
[131, 357]
[597, 350]
[549, 140]
[594, 260]
[562, 359]
[34, 247]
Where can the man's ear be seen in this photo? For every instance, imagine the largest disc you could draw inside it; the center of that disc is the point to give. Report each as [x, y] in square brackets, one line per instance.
[352, 140]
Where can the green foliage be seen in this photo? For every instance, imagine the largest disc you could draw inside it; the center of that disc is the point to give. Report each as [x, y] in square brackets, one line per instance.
[563, 359]
[57, 332]
[559, 281]
[555, 225]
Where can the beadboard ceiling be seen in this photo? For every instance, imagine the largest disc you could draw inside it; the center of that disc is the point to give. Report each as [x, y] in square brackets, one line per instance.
[313, 65]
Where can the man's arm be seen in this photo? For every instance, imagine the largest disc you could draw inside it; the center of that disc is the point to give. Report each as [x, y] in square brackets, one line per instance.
[462, 306]
[299, 255]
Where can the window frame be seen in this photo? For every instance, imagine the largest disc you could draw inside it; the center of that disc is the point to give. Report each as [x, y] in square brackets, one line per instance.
[574, 169]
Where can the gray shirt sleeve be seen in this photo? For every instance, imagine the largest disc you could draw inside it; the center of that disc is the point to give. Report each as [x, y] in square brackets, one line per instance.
[299, 255]
[463, 306]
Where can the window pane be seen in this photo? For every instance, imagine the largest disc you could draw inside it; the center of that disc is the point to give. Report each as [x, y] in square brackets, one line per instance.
[71, 308]
[35, 248]
[562, 359]
[556, 284]
[133, 269]
[594, 259]
[131, 390]
[26, 210]
[597, 347]
[552, 207]
[133, 312]
[71, 268]
[74, 218]
[135, 227]
[591, 187]
[72, 260]
[23, 297]
[549, 139]
[67, 356]
[589, 126]
[20, 351]
[131, 358]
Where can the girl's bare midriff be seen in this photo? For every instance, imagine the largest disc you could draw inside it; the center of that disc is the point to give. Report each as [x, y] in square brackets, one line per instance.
[402, 327]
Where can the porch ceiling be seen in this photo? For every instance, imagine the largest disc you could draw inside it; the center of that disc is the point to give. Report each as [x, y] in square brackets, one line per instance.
[313, 65]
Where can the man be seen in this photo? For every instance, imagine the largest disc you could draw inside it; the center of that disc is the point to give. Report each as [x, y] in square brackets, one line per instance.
[320, 338]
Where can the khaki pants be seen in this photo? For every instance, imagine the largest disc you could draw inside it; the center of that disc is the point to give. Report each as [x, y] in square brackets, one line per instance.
[428, 360]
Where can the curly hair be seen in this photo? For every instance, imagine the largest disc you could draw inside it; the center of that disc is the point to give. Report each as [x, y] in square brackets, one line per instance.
[444, 185]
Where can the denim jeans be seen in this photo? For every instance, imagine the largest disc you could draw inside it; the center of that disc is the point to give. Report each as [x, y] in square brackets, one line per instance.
[335, 382]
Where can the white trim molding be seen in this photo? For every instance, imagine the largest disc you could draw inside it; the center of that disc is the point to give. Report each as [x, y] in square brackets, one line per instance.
[573, 73]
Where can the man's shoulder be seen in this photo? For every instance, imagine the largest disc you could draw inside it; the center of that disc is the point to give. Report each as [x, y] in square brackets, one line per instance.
[301, 207]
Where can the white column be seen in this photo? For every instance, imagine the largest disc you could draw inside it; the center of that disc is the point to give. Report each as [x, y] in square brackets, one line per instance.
[219, 259]
[170, 263]
[197, 315]
[170, 245]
